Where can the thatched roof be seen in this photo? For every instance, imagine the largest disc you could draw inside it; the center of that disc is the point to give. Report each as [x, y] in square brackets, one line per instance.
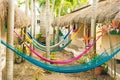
[106, 10]
[21, 20]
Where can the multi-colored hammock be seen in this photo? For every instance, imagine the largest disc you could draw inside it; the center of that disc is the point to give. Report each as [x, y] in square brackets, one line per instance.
[99, 60]
[51, 42]
[35, 41]
[40, 44]
[60, 62]
[59, 49]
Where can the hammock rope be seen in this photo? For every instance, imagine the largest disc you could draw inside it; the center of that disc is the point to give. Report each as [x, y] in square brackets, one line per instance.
[61, 62]
[51, 42]
[59, 49]
[39, 44]
[99, 60]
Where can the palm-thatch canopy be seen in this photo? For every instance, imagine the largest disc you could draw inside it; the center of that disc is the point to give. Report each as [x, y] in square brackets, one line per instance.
[106, 10]
[21, 20]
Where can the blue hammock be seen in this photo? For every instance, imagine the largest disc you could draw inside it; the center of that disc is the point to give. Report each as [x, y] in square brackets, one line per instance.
[59, 49]
[99, 60]
[43, 43]
[51, 42]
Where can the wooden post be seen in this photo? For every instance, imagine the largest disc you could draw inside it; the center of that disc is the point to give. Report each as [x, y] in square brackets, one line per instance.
[10, 29]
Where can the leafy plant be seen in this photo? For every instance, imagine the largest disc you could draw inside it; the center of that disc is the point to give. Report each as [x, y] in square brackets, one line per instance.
[52, 56]
[38, 35]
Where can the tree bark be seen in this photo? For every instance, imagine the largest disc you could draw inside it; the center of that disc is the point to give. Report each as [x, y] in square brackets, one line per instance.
[48, 28]
[43, 21]
[0, 52]
[93, 24]
[26, 7]
[10, 29]
[32, 18]
[52, 13]
[35, 22]
[57, 31]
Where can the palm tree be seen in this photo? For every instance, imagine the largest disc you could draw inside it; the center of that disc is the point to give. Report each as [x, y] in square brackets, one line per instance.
[35, 21]
[52, 18]
[48, 28]
[10, 28]
[59, 14]
[93, 22]
[42, 20]
[26, 7]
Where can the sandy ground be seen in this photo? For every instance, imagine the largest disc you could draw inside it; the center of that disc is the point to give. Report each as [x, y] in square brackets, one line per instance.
[28, 71]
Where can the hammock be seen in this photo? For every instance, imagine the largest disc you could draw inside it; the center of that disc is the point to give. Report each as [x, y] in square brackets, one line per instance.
[59, 49]
[44, 46]
[51, 42]
[59, 62]
[99, 60]
[39, 44]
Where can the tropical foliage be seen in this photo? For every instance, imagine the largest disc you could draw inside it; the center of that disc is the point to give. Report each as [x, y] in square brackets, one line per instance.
[67, 5]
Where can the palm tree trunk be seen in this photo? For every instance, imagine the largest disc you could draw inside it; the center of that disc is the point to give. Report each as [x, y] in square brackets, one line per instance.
[32, 18]
[0, 75]
[93, 23]
[0, 52]
[53, 6]
[42, 20]
[57, 31]
[10, 28]
[53, 35]
[26, 27]
[26, 7]
[48, 28]
[32, 22]
[93, 26]
[34, 10]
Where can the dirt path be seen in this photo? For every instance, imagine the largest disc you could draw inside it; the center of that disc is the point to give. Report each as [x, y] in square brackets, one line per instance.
[27, 71]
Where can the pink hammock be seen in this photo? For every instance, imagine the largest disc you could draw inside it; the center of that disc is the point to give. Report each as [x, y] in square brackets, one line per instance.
[60, 62]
